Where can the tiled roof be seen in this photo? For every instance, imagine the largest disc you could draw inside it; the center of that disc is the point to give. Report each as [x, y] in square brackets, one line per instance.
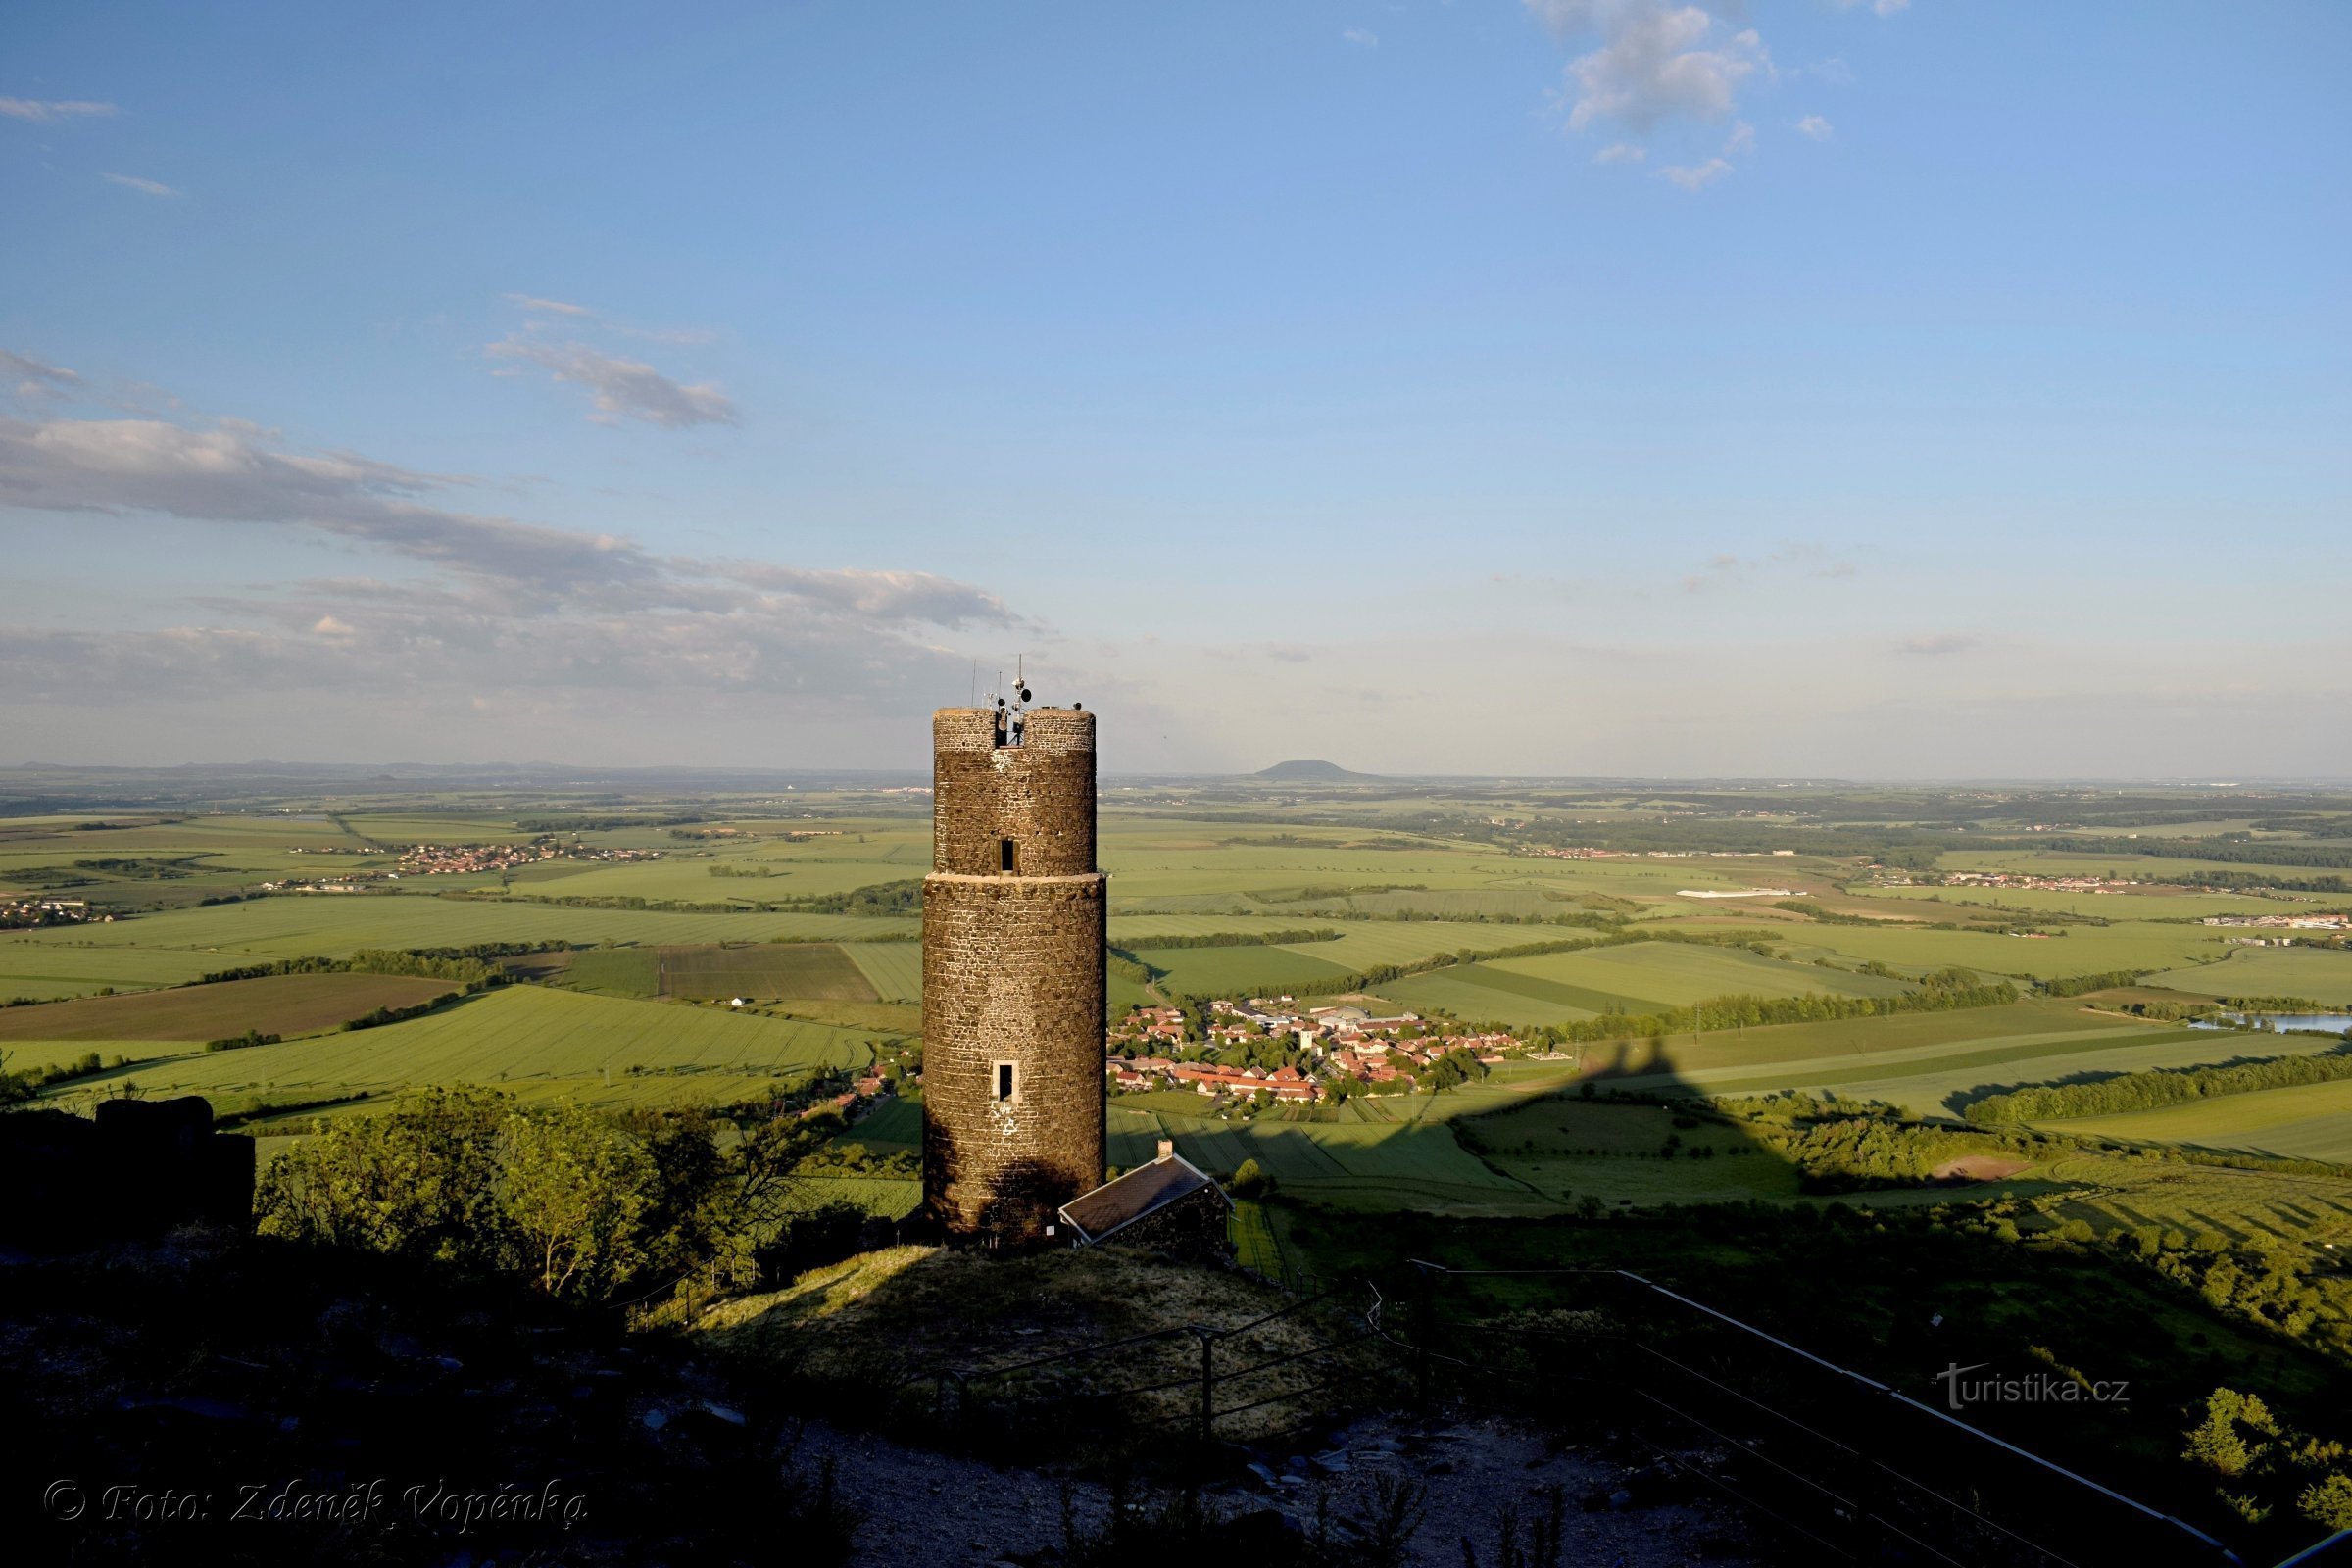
[1145, 1190]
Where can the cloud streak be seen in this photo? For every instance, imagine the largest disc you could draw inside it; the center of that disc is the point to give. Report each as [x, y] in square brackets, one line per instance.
[485, 602]
[622, 388]
[45, 112]
[145, 187]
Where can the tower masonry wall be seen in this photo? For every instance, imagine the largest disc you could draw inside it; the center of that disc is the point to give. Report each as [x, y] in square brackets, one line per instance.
[1014, 927]
[1039, 794]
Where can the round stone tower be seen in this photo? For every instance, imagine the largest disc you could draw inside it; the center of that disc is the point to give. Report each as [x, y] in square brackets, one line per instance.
[1012, 972]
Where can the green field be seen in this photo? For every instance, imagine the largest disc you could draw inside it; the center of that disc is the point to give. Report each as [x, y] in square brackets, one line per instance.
[1232, 971]
[1402, 875]
[817, 971]
[2313, 1122]
[895, 970]
[67, 969]
[336, 926]
[538, 1043]
[2323, 974]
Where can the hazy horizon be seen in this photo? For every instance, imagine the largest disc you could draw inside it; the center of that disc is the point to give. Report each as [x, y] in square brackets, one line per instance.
[1526, 388]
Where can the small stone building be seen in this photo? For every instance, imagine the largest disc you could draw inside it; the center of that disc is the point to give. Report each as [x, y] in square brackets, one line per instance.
[1171, 1204]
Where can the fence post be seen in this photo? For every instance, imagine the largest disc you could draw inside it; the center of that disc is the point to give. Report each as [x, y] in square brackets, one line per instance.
[1208, 1380]
[954, 1402]
[1425, 1329]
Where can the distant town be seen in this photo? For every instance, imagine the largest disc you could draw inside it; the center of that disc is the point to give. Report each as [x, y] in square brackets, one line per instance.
[1265, 1051]
[449, 859]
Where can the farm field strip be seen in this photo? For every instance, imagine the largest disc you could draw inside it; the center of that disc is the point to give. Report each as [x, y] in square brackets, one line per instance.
[895, 970]
[275, 1004]
[335, 926]
[2084, 950]
[2309, 1122]
[1929, 1085]
[2322, 974]
[521, 1036]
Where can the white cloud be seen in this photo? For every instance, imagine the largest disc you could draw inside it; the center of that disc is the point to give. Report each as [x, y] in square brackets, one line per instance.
[1361, 38]
[569, 616]
[1815, 127]
[531, 302]
[1621, 152]
[1742, 139]
[625, 388]
[1882, 7]
[35, 379]
[149, 187]
[38, 110]
[1696, 176]
[1657, 61]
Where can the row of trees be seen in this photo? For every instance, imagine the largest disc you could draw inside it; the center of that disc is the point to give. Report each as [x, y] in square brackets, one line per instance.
[468, 967]
[2148, 1091]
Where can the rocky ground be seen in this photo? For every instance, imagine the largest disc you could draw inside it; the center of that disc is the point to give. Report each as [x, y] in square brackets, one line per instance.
[921, 1506]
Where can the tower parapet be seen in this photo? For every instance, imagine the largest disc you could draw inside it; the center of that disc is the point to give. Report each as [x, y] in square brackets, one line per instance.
[1013, 926]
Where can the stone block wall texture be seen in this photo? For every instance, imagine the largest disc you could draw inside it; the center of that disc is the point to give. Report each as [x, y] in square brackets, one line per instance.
[1012, 972]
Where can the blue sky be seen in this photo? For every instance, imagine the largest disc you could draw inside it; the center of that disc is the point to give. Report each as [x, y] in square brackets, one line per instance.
[1569, 386]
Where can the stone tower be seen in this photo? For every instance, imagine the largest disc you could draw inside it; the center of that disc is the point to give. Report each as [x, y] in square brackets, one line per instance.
[1013, 971]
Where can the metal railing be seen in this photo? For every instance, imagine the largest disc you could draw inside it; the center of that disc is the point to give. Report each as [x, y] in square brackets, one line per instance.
[1852, 1466]
[1181, 1378]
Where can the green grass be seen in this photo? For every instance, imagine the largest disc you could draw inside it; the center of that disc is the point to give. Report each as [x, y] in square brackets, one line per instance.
[1254, 1244]
[895, 970]
[895, 1122]
[66, 969]
[1228, 971]
[2325, 974]
[2313, 1122]
[539, 1042]
[817, 971]
[615, 971]
[2084, 950]
[1481, 994]
[1681, 973]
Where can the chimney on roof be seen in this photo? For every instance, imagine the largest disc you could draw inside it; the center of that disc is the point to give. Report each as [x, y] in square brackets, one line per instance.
[1167, 1147]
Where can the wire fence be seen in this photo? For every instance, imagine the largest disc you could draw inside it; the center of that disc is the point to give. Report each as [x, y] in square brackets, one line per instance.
[1278, 1370]
[1848, 1468]
[1852, 1467]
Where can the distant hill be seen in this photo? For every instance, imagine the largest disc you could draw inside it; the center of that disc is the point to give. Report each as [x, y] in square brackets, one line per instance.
[1313, 770]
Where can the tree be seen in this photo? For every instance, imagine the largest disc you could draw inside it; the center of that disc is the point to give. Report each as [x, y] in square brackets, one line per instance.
[577, 1190]
[2327, 1504]
[420, 1182]
[1251, 1181]
[2219, 1444]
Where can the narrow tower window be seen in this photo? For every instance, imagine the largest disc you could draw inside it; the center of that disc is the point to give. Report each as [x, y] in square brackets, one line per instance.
[1003, 1080]
[1008, 860]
